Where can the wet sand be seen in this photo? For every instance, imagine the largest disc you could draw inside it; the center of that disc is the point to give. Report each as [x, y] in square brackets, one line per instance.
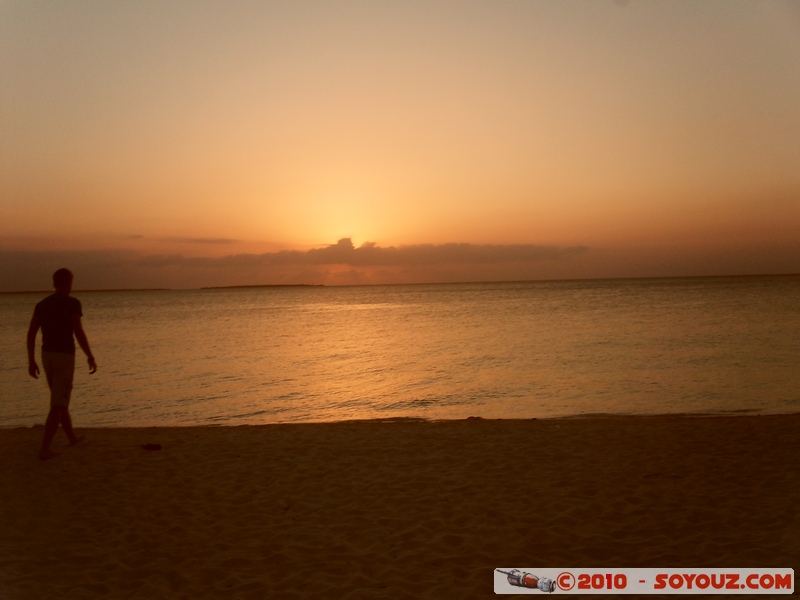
[401, 509]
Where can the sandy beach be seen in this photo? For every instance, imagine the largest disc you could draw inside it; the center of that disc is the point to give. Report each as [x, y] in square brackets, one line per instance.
[400, 509]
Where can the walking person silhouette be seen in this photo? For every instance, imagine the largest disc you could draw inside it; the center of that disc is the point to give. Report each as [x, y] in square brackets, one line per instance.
[59, 317]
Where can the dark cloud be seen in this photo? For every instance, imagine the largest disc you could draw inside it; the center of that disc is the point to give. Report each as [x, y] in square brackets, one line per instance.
[184, 240]
[32, 270]
[372, 255]
[210, 241]
[344, 264]
[121, 269]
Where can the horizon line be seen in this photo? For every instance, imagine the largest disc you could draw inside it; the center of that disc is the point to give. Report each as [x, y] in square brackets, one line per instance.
[497, 281]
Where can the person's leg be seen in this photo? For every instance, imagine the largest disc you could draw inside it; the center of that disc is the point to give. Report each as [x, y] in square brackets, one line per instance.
[66, 424]
[59, 369]
[50, 428]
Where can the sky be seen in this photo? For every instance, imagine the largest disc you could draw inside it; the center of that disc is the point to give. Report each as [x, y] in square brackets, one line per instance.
[162, 143]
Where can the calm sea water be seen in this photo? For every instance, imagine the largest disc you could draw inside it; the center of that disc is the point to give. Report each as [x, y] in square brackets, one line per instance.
[502, 350]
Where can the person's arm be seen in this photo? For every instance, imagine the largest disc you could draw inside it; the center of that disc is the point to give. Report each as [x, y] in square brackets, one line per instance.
[33, 329]
[80, 335]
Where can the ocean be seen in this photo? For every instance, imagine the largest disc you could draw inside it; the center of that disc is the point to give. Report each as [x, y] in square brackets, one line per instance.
[716, 345]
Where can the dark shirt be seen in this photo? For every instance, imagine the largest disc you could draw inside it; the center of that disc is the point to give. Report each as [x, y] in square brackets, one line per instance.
[55, 314]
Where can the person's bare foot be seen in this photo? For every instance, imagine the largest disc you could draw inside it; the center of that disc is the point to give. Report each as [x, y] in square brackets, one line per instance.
[79, 439]
[47, 454]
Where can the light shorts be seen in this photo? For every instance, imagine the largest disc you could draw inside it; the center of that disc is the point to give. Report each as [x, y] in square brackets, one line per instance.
[59, 368]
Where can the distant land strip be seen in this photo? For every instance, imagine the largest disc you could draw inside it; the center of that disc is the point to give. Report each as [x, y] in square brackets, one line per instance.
[264, 285]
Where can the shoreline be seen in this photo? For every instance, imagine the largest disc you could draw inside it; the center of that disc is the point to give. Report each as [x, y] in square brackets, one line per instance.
[413, 419]
[393, 508]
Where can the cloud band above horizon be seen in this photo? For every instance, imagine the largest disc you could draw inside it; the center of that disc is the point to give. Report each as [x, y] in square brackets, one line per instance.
[370, 254]
[340, 263]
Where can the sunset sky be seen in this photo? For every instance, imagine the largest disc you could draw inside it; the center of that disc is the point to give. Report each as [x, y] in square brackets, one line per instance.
[186, 144]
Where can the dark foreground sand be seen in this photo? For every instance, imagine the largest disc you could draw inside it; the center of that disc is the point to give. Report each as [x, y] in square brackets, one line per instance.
[401, 509]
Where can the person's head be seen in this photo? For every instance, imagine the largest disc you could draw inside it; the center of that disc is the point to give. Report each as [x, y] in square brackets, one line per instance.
[62, 280]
